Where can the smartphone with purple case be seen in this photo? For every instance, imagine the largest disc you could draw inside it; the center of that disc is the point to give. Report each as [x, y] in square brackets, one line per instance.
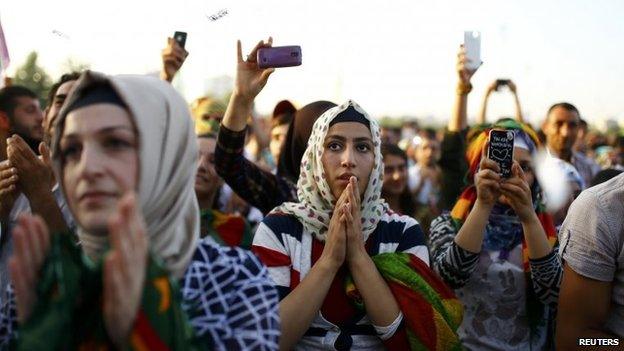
[501, 150]
[279, 56]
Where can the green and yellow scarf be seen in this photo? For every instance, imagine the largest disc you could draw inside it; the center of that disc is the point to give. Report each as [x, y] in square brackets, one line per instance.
[430, 309]
[68, 314]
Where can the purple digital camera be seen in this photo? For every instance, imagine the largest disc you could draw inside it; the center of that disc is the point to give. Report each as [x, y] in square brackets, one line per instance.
[279, 56]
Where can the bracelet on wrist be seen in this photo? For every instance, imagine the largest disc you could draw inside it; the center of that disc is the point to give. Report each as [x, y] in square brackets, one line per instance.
[464, 89]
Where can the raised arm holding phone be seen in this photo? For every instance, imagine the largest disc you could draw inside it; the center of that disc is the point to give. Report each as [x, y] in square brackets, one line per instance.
[173, 57]
[252, 183]
[250, 79]
[452, 162]
[496, 86]
[465, 70]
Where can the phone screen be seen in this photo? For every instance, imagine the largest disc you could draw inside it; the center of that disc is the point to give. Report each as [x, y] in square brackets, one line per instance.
[180, 37]
[501, 150]
[472, 45]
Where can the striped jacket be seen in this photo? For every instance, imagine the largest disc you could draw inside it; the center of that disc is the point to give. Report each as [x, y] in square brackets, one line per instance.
[290, 251]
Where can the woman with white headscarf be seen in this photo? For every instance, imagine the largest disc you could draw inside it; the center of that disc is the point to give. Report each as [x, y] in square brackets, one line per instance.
[125, 154]
[351, 273]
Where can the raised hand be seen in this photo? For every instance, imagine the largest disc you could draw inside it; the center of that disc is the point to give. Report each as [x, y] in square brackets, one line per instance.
[124, 270]
[463, 72]
[517, 194]
[31, 240]
[9, 188]
[492, 87]
[173, 57]
[45, 157]
[35, 176]
[250, 79]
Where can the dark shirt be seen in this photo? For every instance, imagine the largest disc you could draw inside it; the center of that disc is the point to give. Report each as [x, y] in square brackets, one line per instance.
[454, 167]
[261, 189]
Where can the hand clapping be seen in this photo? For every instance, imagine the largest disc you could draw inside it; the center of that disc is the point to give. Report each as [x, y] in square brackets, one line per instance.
[124, 269]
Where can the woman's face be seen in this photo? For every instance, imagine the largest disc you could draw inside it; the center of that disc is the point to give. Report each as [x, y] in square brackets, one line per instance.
[99, 151]
[278, 136]
[207, 181]
[428, 152]
[395, 175]
[348, 151]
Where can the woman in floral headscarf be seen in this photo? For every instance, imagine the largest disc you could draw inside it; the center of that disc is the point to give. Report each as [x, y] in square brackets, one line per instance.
[496, 249]
[347, 267]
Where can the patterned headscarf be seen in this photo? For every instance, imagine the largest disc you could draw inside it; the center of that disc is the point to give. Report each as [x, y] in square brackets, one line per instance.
[316, 201]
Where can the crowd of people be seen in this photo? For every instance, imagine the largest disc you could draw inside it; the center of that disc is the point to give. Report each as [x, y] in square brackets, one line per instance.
[131, 219]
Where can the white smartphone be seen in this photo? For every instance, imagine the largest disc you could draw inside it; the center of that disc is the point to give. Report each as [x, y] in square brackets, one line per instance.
[472, 45]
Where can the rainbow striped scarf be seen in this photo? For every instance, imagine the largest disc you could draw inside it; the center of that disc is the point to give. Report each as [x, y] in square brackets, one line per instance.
[430, 309]
[477, 139]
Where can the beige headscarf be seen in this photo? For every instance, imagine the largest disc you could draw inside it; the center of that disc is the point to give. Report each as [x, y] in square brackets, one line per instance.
[167, 165]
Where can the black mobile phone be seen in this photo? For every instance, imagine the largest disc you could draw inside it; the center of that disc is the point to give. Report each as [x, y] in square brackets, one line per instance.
[180, 37]
[501, 150]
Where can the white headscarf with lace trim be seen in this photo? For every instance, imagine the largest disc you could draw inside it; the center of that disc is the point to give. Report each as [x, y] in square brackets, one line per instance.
[316, 201]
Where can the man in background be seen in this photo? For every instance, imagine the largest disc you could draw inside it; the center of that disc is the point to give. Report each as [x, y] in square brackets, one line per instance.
[561, 130]
[20, 114]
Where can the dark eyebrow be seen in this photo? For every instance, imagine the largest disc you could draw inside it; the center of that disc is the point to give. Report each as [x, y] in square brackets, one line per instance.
[60, 97]
[360, 139]
[343, 139]
[101, 131]
[338, 137]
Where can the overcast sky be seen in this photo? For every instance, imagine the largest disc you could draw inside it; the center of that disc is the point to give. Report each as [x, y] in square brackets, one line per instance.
[392, 57]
